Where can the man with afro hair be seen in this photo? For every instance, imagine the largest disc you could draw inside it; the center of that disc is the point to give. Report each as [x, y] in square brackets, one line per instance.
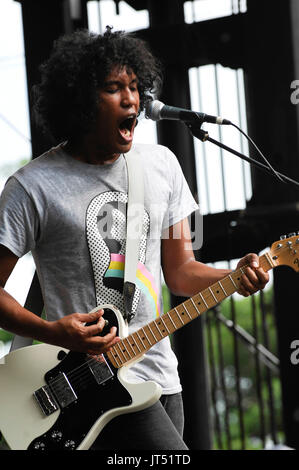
[68, 207]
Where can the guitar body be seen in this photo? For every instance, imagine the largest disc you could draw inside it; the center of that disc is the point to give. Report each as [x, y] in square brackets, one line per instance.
[54, 399]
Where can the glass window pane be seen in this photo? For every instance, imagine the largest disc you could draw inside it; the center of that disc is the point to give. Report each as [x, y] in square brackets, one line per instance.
[223, 179]
[103, 13]
[201, 10]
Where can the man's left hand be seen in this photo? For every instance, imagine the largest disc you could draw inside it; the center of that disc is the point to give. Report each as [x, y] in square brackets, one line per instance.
[254, 277]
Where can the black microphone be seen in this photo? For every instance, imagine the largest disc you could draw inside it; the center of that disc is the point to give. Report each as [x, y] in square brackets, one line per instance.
[157, 110]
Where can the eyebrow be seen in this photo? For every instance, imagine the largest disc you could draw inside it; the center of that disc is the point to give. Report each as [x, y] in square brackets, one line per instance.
[119, 82]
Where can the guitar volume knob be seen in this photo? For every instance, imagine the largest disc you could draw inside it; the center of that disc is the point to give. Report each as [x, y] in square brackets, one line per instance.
[39, 446]
[56, 435]
[70, 444]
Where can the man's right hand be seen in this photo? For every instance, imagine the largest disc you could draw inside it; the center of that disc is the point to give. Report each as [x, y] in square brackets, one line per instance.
[72, 333]
[69, 332]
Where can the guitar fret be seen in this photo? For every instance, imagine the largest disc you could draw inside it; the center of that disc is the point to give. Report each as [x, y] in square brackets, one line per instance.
[130, 345]
[124, 344]
[194, 305]
[121, 351]
[156, 325]
[213, 294]
[188, 311]
[140, 340]
[233, 282]
[203, 300]
[179, 316]
[222, 288]
[146, 336]
[164, 325]
[115, 356]
[152, 333]
[174, 325]
[136, 343]
[267, 257]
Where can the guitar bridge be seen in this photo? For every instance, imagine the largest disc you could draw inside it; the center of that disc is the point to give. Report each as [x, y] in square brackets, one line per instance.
[58, 394]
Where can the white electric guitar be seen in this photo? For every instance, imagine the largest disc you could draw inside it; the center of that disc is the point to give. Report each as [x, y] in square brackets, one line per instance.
[54, 399]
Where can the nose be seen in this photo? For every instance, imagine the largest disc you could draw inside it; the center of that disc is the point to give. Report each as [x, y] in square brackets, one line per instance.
[129, 97]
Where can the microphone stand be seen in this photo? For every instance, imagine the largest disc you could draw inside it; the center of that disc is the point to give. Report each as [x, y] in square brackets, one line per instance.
[203, 135]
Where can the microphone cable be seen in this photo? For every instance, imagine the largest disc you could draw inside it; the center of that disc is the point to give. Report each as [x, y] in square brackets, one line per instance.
[259, 151]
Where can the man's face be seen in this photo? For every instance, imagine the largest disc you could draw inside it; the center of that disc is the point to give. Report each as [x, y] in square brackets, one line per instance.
[118, 106]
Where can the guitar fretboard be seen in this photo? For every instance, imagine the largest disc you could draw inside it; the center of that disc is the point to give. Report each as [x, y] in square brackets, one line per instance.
[137, 343]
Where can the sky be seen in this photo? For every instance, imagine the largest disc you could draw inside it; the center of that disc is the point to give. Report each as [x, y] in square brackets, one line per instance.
[14, 113]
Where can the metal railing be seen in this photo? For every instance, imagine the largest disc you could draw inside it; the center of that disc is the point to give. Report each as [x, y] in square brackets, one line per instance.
[245, 383]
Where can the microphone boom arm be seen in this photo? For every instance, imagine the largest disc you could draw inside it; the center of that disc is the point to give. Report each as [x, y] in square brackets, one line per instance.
[203, 135]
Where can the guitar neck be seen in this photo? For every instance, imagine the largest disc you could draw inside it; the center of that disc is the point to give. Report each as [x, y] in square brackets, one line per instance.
[137, 343]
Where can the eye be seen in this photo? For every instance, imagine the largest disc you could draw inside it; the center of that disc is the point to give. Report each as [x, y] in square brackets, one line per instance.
[111, 90]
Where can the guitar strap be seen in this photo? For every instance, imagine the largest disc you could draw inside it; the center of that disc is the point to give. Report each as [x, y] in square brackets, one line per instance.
[135, 212]
[34, 301]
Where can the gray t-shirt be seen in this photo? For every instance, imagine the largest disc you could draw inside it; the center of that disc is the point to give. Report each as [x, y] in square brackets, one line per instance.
[71, 216]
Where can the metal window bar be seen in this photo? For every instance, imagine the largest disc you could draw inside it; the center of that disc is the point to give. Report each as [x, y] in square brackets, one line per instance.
[238, 375]
[219, 128]
[268, 372]
[233, 313]
[223, 386]
[242, 146]
[204, 154]
[258, 372]
[213, 382]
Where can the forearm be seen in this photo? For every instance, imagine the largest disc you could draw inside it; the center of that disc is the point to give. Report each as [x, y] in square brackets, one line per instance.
[70, 332]
[18, 320]
[192, 277]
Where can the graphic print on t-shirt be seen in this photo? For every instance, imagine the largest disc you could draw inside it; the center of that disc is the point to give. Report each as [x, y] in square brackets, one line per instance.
[106, 237]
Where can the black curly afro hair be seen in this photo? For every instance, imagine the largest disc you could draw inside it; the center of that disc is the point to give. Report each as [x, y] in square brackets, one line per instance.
[65, 100]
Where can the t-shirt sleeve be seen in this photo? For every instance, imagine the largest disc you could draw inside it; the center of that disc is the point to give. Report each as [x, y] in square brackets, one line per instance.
[18, 219]
[181, 202]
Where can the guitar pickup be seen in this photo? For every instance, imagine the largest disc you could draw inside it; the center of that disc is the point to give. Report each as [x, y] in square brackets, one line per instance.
[46, 400]
[62, 389]
[100, 369]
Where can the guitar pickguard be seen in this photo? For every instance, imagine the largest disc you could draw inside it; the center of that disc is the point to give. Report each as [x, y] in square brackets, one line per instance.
[54, 399]
[84, 388]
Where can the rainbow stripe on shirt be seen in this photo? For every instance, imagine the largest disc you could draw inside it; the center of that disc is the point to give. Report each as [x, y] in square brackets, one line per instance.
[144, 280]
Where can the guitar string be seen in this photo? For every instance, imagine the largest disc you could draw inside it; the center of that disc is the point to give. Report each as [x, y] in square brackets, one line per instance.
[82, 370]
[74, 374]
